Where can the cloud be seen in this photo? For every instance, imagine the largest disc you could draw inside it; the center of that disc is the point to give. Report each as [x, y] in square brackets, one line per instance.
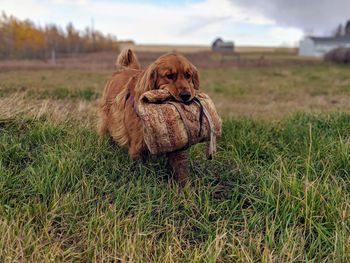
[22, 9]
[196, 22]
[312, 16]
[183, 22]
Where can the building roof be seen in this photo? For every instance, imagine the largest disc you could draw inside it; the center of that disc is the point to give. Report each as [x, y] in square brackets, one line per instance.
[220, 43]
[337, 39]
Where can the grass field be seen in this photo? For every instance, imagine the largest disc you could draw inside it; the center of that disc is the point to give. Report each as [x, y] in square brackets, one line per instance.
[277, 191]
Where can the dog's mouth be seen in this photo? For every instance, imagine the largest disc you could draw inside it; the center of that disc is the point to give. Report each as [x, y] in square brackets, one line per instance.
[183, 99]
[183, 96]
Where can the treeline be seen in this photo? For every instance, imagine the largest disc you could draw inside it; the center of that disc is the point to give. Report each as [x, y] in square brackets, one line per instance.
[342, 30]
[24, 39]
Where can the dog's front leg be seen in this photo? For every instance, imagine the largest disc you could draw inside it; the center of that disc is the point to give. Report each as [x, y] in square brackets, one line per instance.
[178, 162]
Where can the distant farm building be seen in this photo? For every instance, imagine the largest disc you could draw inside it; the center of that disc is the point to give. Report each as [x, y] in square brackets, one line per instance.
[222, 46]
[319, 46]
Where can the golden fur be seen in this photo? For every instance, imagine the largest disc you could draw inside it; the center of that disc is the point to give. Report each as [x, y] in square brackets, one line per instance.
[118, 117]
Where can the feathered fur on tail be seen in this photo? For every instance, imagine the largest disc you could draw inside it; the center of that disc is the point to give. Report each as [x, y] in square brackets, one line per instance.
[127, 59]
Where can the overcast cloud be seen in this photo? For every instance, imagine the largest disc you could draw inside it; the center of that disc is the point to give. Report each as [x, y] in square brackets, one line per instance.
[312, 16]
[160, 21]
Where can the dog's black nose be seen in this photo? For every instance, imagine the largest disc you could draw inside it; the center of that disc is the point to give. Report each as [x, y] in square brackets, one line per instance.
[185, 95]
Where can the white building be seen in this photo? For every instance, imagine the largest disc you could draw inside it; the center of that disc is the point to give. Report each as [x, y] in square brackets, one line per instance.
[318, 46]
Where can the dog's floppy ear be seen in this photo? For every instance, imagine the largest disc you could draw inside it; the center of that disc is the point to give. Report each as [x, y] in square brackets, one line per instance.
[148, 80]
[195, 77]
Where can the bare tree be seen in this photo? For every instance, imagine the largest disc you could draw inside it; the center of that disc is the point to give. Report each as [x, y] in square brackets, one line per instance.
[347, 28]
[339, 31]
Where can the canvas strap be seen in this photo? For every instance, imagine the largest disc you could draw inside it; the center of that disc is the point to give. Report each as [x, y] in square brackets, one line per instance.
[203, 111]
[212, 142]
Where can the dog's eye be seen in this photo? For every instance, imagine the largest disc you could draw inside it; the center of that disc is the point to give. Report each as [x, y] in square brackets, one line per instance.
[170, 76]
[187, 75]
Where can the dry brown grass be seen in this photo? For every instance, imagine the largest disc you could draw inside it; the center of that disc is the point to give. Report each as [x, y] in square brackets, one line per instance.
[257, 92]
[168, 48]
[206, 48]
[267, 50]
[272, 93]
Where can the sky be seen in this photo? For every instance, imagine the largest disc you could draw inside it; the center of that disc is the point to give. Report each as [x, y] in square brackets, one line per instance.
[246, 22]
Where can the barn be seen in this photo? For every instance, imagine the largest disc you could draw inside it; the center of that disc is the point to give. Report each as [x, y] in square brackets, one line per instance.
[319, 46]
[222, 46]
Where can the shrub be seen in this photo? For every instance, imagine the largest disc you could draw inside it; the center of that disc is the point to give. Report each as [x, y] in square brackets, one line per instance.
[339, 55]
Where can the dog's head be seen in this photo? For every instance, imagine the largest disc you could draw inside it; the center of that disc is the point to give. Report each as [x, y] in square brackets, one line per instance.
[174, 73]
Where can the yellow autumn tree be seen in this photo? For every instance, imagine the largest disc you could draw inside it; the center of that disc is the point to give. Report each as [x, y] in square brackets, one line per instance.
[24, 39]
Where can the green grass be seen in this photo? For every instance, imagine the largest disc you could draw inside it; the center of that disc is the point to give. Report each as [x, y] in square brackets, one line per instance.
[277, 191]
[54, 84]
[282, 82]
[61, 93]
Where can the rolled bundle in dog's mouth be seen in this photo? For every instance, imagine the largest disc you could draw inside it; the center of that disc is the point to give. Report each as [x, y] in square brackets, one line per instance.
[170, 125]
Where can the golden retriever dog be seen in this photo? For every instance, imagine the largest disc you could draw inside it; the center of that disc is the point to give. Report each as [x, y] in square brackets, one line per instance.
[118, 116]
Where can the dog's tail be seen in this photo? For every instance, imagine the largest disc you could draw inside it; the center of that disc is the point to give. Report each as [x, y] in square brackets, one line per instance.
[127, 59]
